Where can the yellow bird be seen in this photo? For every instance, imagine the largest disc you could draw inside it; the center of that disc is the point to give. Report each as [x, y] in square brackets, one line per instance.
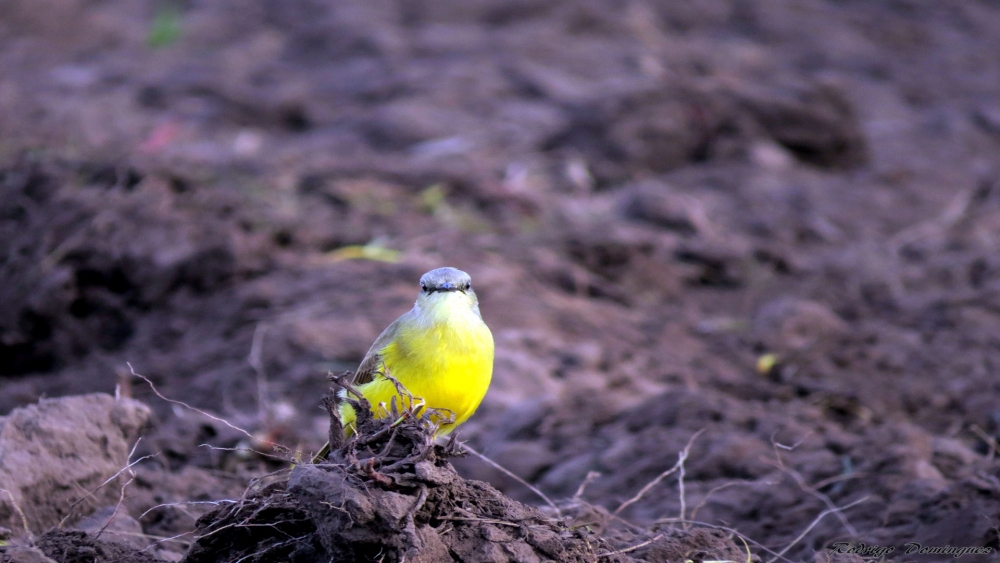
[441, 351]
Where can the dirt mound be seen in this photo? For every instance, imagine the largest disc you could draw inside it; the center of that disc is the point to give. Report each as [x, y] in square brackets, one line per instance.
[388, 494]
[392, 495]
[71, 477]
[39, 488]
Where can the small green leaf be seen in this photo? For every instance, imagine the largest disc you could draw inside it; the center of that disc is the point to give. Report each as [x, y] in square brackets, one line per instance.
[166, 27]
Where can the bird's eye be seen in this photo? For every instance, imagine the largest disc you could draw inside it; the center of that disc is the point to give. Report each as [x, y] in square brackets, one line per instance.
[467, 286]
[423, 286]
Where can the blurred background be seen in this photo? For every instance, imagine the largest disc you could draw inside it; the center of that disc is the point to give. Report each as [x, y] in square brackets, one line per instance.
[773, 221]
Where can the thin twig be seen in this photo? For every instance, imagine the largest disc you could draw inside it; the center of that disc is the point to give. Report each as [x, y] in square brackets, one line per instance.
[777, 444]
[591, 475]
[633, 548]
[506, 472]
[245, 449]
[182, 503]
[814, 491]
[128, 467]
[814, 523]
[189, 407]
[259, 554]
[118, 505]
[681, 457]
[121, 492]
[708, 495]
[826, 500]
[171, 538]
[17, 508]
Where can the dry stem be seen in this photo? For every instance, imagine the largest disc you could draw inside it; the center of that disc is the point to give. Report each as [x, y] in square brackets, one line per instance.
[20, 513]
[633, 548]
[197, 410]
[682, 456]
[508, 473]
[813, 525]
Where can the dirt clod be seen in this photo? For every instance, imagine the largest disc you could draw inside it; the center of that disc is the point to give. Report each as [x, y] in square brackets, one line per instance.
[97, 432]
[392, 494]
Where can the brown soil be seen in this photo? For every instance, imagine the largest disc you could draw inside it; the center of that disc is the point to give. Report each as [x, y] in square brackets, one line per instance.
[390, 495]
[767, 231]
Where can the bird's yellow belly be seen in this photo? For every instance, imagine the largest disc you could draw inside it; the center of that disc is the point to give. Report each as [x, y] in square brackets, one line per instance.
[446, 366]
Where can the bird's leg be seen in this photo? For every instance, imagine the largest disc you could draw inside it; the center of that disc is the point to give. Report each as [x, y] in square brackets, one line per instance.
[440, 417]
[401, 389]
[409, 405]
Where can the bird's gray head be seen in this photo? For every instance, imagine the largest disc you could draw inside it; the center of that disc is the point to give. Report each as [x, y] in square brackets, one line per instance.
[444, 280]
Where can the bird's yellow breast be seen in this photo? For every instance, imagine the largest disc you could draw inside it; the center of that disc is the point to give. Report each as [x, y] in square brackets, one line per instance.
[444, 357]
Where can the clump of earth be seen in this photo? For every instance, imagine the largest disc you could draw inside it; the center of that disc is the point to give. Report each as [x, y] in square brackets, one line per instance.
[387, 493]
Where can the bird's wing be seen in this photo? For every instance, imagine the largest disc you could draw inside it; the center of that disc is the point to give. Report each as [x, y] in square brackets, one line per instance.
[373, 363]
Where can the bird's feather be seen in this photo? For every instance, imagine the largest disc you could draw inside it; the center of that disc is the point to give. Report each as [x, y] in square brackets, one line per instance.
[373, 363]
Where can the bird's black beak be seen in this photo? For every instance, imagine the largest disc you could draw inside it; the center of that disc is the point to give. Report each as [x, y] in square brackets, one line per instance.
[446, 286]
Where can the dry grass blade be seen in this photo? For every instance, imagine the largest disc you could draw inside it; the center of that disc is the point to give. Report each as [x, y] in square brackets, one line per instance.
[747, 546]
[591, 475]
[20, 513]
